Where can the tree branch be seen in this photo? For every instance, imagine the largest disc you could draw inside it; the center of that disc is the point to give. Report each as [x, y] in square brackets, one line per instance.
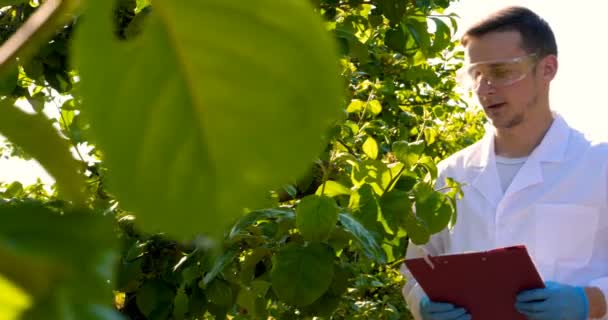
[41, 24]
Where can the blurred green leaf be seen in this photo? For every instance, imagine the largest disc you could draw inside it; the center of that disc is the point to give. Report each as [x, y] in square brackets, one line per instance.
[166, 127]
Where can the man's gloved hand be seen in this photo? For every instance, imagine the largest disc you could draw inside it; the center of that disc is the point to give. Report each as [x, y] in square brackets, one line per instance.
[441, 311]
[556, 301]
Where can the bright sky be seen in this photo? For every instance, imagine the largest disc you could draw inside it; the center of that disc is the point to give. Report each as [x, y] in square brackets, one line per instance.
[576, 92]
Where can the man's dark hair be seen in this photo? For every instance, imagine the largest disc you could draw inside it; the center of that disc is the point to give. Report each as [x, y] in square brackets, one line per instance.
[536, 34]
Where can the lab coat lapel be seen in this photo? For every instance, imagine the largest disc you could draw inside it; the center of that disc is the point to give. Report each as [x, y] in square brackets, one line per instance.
[486, 182]
[551, 149]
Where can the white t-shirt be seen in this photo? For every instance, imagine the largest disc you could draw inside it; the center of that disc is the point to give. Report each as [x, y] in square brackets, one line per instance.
[507, 169]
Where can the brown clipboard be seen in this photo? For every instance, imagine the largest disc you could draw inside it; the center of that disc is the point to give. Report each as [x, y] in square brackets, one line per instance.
[484, 283]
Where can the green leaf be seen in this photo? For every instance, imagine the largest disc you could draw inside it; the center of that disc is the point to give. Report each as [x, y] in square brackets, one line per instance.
[374, 107]
[153, 297]
[252, 298]
[419, 31]
[180, 304]
[333, 188]
[428, 163]
[370, 246]
[13, 190]
[219, 292]
[416, 229]
[395, 206]
[218, 266]
[355, 106]
[433, 207]
[251, 218]
[316, 217]
[370, 147]
[217, 117]
[393, 10]
[365, 206]
[62, 260]
[408, 152]
[442, 35]
[430, 135]
[43, 142]
[396, 39]
[300, 275]
[8, 79]
[373, 172]
[13, 300]
[438, 111]
[247, 273]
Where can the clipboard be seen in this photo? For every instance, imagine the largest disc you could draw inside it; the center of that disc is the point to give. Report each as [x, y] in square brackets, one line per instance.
[484, 283]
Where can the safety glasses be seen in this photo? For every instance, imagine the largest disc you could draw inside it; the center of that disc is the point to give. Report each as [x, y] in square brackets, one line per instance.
[497, 73]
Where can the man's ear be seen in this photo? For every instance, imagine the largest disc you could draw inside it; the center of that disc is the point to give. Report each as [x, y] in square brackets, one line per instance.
[549, 67]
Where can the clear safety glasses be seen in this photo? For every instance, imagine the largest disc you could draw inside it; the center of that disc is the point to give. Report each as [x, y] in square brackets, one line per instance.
[497, 73]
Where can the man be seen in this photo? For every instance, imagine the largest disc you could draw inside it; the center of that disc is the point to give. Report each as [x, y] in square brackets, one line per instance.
[531, 180]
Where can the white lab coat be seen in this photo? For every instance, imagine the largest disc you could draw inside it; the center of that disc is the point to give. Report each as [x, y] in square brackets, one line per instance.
[556, 205]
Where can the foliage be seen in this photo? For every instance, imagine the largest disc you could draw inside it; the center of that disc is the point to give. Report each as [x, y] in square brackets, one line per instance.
[194, 112]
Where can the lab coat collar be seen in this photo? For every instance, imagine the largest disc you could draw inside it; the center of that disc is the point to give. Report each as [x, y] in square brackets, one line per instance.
[551, 149]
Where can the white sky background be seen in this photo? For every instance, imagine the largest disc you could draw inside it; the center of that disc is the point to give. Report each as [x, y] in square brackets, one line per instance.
[577, 92]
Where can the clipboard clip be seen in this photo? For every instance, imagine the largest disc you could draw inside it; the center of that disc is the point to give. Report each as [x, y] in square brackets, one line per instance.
[427, 257]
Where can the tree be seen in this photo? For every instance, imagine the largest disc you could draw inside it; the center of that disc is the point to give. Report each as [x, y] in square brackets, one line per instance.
[195, 112]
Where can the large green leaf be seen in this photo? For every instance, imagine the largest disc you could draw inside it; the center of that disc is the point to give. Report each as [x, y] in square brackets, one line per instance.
[215, 103]
[300, 275]
[370, 247]
[316, 217]
[62, 260]
[36, 136]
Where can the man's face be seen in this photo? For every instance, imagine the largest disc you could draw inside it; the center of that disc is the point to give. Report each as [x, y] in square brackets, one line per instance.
[506, 104]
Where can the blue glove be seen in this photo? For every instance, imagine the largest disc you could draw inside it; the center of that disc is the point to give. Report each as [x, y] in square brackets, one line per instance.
[441, 311]
[556, 301]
